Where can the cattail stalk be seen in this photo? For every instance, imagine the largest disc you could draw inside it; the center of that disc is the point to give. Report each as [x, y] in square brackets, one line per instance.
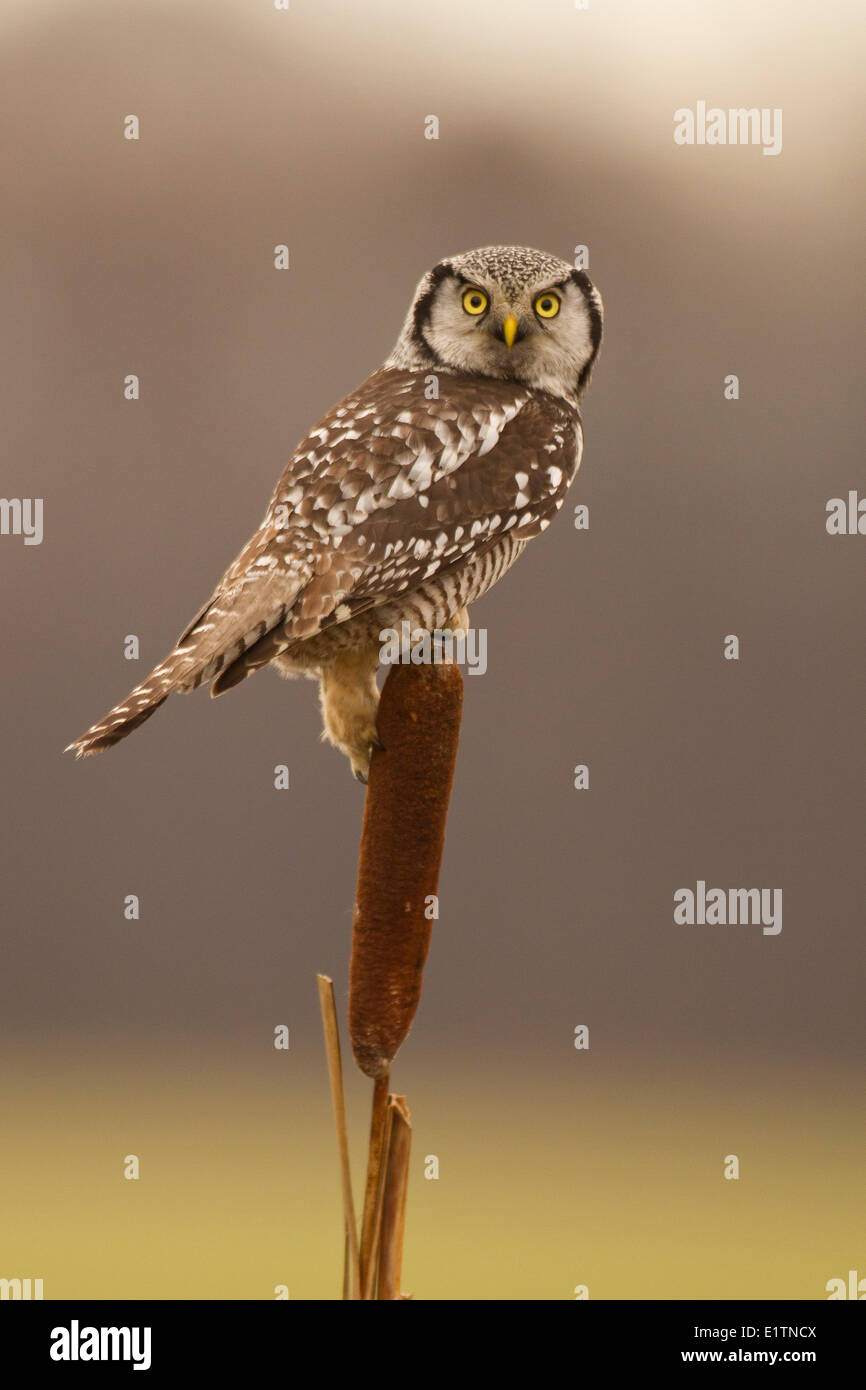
[402, 839]
[377, 1163]
[394, 1200]
[352, 1262]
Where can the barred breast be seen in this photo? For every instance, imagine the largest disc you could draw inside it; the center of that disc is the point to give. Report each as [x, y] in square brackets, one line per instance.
[429, 606]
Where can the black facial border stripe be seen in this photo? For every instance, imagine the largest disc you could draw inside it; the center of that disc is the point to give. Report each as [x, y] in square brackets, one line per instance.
[585, 285]
[425, 304]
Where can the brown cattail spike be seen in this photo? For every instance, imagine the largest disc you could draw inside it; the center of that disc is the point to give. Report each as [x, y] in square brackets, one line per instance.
[402, 839]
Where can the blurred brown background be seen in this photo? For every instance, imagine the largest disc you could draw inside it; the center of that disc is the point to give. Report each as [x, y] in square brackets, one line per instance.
[155, 257]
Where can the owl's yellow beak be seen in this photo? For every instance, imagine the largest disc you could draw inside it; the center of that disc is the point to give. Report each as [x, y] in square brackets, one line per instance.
[509, 330]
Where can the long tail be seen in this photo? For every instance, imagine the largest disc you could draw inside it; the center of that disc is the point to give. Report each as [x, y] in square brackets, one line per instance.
[138, 706]
[221, 634]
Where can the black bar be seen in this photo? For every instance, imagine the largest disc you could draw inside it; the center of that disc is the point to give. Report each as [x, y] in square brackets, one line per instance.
[226, 1338]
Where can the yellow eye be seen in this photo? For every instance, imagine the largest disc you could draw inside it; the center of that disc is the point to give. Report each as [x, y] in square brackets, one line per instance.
[474, 301]
[547, 305]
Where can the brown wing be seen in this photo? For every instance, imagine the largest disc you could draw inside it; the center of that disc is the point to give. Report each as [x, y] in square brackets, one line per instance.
[447, 487]
[390, 487]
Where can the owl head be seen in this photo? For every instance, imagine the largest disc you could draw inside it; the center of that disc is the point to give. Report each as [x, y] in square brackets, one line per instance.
[507, 312]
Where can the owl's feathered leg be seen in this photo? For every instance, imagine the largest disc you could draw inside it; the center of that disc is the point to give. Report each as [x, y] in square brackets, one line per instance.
[349, 697]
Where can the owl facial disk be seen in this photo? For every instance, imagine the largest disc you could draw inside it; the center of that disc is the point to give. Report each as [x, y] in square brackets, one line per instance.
[511, 313]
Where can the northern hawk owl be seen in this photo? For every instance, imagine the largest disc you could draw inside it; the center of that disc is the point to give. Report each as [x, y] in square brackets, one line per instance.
[408, 500]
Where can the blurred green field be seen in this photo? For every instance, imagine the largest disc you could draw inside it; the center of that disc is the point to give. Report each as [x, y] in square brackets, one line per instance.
[586, 1174]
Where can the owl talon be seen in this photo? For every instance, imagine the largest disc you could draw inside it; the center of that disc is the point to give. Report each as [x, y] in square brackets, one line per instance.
[360, 776]
[377, 743]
